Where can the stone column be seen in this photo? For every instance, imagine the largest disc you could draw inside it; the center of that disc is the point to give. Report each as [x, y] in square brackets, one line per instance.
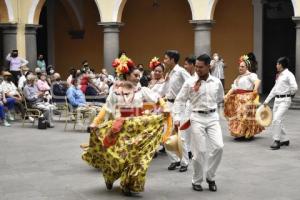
[202, 40]
[296, 99]
[258, 37]
[9, 35]
[31, 48]
[111, 44]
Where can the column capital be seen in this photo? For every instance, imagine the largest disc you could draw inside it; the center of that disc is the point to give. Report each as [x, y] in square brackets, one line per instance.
[111, 27]
[202, 25]
[9, 28]
[31, 28]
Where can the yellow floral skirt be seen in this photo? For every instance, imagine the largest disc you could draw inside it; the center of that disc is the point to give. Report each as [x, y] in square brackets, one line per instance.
[130, 156]
[240, 109]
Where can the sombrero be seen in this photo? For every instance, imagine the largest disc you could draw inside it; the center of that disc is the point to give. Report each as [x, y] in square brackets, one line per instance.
[264, 116]
[174, 144]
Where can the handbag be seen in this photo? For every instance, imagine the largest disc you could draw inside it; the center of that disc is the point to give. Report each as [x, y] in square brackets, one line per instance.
[42, 123]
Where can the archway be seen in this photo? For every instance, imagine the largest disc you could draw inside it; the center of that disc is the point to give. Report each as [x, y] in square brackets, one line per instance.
[152, 27]
[228, 40]
[65, 44]
[279, 38]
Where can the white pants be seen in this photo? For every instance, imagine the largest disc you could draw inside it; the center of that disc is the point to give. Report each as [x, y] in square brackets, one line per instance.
[206, 131]
[281, 106]
[184, 138]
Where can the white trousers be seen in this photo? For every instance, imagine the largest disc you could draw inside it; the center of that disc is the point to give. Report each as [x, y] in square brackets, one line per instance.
[206, 132]
[185, 146]
[280, 108]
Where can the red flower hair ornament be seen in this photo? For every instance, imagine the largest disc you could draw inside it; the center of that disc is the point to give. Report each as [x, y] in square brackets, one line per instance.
[154, 63]
[122, 64]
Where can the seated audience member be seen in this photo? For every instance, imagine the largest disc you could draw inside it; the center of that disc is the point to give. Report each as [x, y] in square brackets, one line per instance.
[11, 91]
[36, 99]
[6, 104]
[78, 102]
[43, 86]
[22, 79]
[59, 88]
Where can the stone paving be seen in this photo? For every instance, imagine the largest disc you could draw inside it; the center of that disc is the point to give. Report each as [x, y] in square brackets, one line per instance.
[46, 164]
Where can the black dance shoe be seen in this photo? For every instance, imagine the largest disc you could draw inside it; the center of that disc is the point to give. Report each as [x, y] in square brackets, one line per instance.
[197, 187]
[183, 168]
[212, 185]
[109, 185]
[190, 155]
[285, 143]
[275, 145]
[173, 165]
[126, 192]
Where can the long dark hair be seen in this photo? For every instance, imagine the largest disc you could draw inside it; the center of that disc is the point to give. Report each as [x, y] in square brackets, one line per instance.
[253, 62]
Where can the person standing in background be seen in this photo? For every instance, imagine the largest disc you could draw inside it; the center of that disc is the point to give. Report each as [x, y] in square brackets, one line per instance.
[41, 63]
[15, 63]
[217, 68]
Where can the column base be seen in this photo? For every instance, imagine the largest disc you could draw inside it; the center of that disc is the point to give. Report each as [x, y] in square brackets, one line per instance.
[295, 103]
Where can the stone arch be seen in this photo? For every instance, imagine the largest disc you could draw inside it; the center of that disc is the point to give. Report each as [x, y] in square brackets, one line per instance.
[6, 11]
[70, 7]
[119, 5]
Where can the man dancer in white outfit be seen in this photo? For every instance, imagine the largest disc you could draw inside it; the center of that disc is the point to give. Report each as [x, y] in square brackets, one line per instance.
[204, 93]
[283, 90]
[174, 81]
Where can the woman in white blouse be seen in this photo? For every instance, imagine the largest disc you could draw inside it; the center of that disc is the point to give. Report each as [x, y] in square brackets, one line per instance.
[158, 82]
[124, 146]
[241, 103]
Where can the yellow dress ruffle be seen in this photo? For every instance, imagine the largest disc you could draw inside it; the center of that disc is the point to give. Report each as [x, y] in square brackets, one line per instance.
[130, 156]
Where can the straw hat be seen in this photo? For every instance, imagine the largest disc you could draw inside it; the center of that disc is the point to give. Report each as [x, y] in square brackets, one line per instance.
[264, 116]
[6, 73]
[174, 144]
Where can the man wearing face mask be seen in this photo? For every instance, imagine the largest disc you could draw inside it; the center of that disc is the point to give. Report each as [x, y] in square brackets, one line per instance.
[15, 63]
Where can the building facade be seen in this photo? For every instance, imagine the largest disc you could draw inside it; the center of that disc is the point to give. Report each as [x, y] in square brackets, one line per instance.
[70, 31]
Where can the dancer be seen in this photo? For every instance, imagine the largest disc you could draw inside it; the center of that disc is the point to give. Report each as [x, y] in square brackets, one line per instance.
[204, 93]
[175, 78]
[239, 105]
[124, 146]
[283, 90]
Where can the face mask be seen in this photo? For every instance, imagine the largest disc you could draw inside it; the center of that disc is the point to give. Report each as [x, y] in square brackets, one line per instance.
[51, 71]
[41, 59]
[9, 79]
[14, 55]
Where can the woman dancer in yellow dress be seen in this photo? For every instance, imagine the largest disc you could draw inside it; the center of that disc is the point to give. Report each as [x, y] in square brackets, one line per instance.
[241, 103]
[124, 146]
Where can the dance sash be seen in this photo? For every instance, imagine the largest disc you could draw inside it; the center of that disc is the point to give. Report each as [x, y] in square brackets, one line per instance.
[241, 91]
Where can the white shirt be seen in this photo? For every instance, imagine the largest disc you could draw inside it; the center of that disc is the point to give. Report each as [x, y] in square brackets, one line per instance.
[158, 88]
[176, 79]
[16, 63]
[21, 82]
[143, 94]
[245, 82]
[9, 87]
[285, 84]
[208, 96]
